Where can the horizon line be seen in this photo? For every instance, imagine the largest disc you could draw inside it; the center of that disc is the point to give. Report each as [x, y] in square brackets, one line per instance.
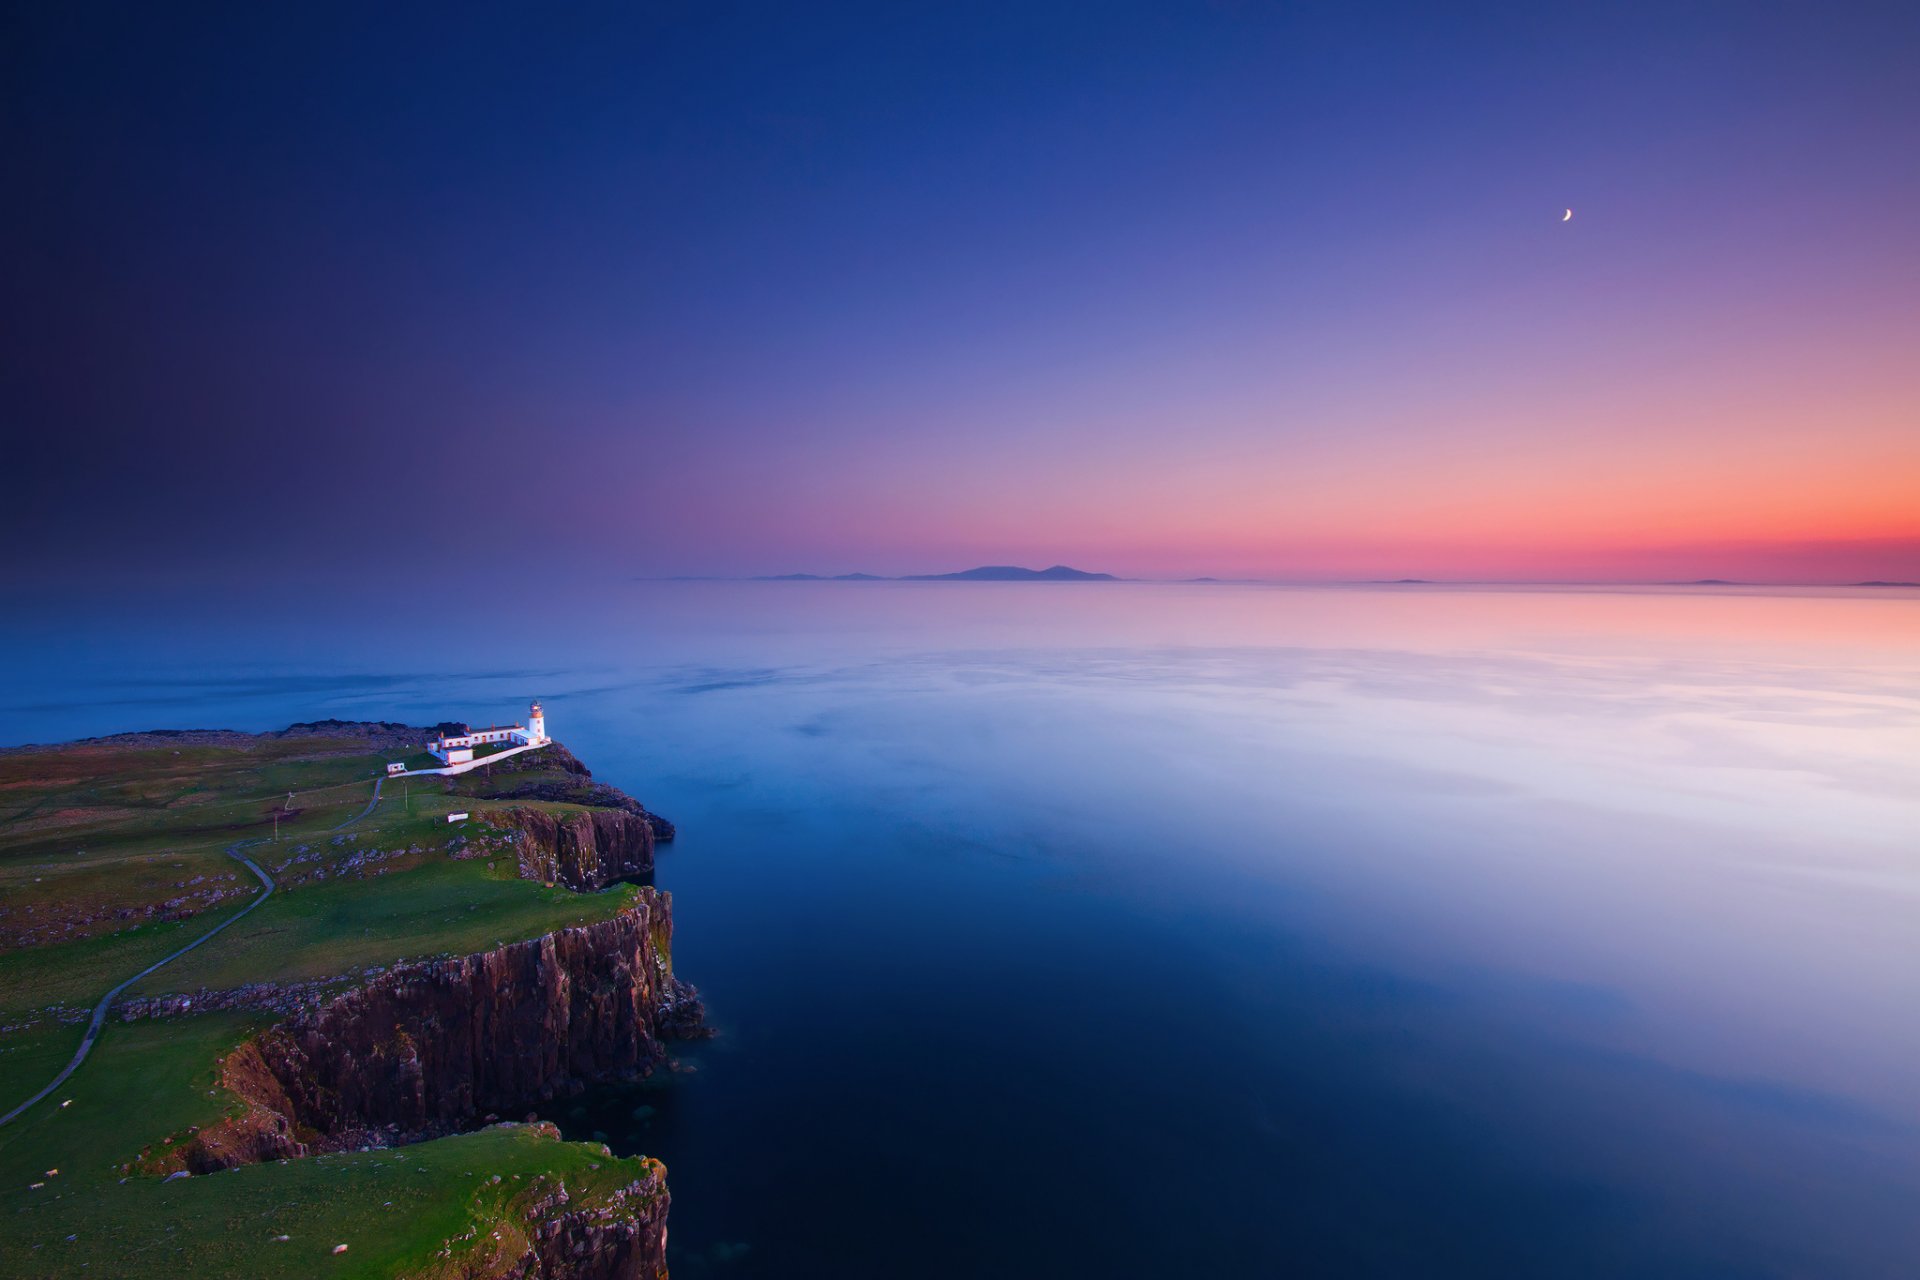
[1209, 579]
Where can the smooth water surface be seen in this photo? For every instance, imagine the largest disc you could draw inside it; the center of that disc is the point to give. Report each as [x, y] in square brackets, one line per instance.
[1213, 930]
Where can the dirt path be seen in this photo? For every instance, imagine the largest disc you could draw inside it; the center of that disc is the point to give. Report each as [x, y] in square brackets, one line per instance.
[106, 1001]
[377, 784]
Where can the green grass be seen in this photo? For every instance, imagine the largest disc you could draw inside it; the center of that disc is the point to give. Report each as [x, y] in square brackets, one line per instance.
[79, 973]
[326, 929]
[421, 905]
[105, 827]
[95, 876]
[92, 836]
[109, 801]
[28, 1059]
[392, 1208]
[142, 1081]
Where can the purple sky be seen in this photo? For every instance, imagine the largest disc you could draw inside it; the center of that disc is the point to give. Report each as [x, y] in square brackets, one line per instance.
[1157, 290]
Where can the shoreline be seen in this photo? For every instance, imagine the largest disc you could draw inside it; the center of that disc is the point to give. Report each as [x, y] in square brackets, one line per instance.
[539, 821]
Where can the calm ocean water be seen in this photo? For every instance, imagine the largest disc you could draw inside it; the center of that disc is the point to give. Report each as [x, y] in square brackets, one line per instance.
[1153, 930]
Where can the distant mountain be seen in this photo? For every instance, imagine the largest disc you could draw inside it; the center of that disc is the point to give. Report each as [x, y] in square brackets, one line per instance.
[818, 577]
[985, 573]
[1710, 582]
[1877, 583]
[1013, 573]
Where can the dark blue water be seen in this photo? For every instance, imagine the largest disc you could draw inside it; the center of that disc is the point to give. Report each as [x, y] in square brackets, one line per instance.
[1228, 931]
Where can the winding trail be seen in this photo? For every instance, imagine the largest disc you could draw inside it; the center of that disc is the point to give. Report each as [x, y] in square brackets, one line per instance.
[377, 784]
[106, 1001]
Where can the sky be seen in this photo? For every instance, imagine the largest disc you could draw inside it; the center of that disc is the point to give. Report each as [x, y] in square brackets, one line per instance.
[316, 292]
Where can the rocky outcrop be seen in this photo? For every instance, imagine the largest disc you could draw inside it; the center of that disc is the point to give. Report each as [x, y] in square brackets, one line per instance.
[378, 735]
[425, 1049]
[283, 998]
[35, 924]
[583, 850]
[553, 774]
[623, 1236]
[552, 1232]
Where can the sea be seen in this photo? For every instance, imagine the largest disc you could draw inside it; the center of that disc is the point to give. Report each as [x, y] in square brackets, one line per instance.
[1204, 929]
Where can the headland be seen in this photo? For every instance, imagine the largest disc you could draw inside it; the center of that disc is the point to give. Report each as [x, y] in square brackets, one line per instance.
[341, 1063]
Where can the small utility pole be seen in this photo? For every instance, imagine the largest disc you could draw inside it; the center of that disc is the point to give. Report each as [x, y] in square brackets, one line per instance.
[276, 826]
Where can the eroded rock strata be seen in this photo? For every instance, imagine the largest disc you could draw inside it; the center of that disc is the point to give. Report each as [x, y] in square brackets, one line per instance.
[616, 1236]
[554, 773]
[555, 1233]
[584, 851]
[426, 1049]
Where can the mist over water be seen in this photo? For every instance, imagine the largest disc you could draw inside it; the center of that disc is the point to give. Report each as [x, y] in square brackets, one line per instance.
[1217, 930]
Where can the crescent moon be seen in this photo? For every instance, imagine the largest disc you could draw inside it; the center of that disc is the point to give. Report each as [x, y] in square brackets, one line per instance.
[1568, 217]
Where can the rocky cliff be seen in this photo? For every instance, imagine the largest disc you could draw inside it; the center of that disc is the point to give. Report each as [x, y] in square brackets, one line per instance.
[614, 1237]
[551, 1231]
[583, 851]
[553, 773]
[426, 1049]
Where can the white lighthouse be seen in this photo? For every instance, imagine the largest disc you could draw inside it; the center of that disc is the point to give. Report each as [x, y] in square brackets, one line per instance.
[456, 750]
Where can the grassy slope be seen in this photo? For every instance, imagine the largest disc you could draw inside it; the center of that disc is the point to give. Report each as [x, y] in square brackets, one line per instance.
[424, 904]
[146, 1080]
[78, 973]
[325, 930]
[85, 831]
[392, 1209]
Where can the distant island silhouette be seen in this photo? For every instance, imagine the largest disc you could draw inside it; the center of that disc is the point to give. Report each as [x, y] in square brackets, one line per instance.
[1012, 573]
[985, 573]
[1066, 573]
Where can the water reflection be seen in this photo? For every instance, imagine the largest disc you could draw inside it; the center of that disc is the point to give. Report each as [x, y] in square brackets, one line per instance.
[1232, 930]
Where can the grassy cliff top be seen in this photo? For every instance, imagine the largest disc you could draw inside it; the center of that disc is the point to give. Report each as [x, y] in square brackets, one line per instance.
[393, 1208]
[114, 853]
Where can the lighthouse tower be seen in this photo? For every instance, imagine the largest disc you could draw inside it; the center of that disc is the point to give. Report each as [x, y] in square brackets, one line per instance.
[536, 724]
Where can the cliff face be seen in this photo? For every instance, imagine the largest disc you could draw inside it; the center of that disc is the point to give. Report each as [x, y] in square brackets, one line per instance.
[583, 851]
[553, 773]
[553, 1232]
[622, 1236]
[425, 1049]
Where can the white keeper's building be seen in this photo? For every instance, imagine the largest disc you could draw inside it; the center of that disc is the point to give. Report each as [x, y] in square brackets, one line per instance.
[457, 748]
